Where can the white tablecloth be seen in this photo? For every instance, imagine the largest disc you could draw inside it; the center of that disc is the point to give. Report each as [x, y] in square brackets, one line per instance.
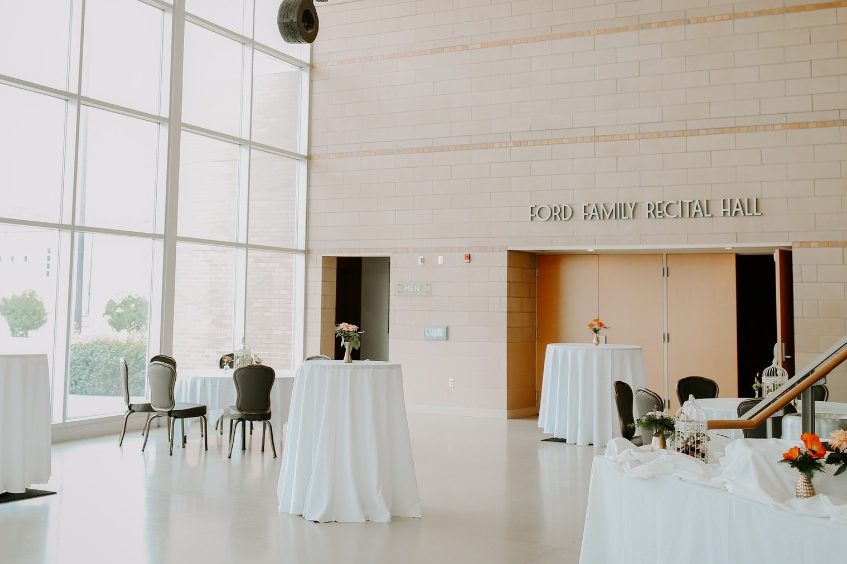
[577, 399]
[215, 389]
[723, 408]
[348, 456]
[725, 520]
[25, 436]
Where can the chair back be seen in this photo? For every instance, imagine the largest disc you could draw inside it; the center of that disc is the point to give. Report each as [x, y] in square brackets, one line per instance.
[161, 377]
[124, 380]
[820, 392]
[164, 358]
[253, 385]
[647, 400]
[623, 400]
[696, 386]
[760, 432]
[318, 357]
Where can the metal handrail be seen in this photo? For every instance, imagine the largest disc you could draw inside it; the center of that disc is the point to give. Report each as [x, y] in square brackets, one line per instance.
[781, 397]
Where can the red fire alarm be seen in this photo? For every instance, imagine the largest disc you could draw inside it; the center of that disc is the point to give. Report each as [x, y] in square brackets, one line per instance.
[467, 257]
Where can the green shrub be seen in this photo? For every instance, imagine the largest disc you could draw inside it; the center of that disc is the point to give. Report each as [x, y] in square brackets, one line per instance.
[23, 312]
[94, 369]
[128, 314]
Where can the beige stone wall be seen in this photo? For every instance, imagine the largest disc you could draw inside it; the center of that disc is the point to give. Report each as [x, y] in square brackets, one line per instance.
[522, 321]
[437, 123]
[820, 305]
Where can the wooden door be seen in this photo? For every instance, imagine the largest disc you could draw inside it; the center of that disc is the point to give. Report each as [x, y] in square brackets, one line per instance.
[567, 301]
[784, 310]
[631, 305]
[702, 321]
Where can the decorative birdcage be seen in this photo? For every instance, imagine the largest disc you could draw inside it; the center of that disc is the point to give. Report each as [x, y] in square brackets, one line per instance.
[773, 377]
[691, 430]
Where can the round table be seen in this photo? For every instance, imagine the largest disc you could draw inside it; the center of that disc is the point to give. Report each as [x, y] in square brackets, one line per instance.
[577, 398]
[25, 435]
[215, 389]
[723, 408]
[348, 456]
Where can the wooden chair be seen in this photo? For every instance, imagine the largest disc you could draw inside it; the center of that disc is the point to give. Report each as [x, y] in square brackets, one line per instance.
[623, 401]
[696, 386]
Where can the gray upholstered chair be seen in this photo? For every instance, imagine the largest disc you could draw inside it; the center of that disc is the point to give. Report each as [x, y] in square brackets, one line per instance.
[820, 392]
[647, 400]
[131, 407]
[164, 358]
[623, 401]
[318, 357]
[253, 385]
[696, 386]
[761, 432]
[161, 377]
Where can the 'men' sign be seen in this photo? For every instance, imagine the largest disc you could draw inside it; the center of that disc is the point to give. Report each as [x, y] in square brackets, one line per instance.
[654, 209]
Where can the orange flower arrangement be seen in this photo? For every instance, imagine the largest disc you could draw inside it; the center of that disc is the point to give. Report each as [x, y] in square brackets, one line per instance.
[596, 325]
[807, 459]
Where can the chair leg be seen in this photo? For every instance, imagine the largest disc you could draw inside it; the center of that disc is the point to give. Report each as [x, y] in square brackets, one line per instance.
[219, 424]
[232, 436]
[205, 431]
[244, 435]
[147, 431]
[182, 429]
[121, 440]
[273, 444]
[148, 420]
[251, 427]
[171, 428]
[263, 435]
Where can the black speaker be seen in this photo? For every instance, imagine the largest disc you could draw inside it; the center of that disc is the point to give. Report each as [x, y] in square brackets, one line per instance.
[297, 21]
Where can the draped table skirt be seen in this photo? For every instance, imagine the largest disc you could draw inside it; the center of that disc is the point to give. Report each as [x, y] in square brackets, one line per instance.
[348, 456]
[577, 398]
[25, 435]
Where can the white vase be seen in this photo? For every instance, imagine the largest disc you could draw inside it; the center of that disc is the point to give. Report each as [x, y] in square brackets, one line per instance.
[348, 349]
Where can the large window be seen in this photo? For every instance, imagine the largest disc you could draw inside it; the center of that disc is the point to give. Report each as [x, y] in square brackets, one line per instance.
[114, 189]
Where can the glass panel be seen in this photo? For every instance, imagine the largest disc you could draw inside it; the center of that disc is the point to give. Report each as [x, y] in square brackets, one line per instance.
[30, 275]
[112, 288]
[208, 188]
[273, 200]
[34, 38]
[270, 307]
[32, 147]
[122, 58]
[118, 172]
[213, 87]
[276, 102]
[267, 31]
[205, 304]
[231, 14]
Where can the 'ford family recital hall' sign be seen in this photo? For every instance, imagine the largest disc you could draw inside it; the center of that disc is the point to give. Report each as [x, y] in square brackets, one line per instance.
[656, 209]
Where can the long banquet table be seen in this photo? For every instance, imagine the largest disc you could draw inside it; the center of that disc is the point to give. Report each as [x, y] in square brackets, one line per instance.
[577, 399]
[25, 435]
[348, 456]
[668, 520]
[215, 389]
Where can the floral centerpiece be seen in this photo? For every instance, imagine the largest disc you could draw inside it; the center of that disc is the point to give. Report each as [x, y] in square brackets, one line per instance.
[597, 327]
[228, 361]
[659, 423]
[838, 444]
[806, 459]
[350, 337]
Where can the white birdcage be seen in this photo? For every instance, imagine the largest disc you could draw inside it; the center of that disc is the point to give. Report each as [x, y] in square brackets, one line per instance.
[691, 430]
[772, 378]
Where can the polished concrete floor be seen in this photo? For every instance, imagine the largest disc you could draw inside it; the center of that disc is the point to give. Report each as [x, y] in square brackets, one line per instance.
[491, 493]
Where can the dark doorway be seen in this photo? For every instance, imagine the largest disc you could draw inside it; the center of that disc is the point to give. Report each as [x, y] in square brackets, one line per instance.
[348, 297]
[362, 293]
[755, 280]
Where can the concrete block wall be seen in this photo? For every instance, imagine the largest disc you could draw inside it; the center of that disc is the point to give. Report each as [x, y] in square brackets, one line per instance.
[437, 123]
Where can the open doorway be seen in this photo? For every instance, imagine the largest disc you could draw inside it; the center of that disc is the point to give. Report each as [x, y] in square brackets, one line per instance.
[755, 293]
[362, 297]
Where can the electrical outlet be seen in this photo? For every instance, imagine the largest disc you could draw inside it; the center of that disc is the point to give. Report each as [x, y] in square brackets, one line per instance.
[451, 383]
